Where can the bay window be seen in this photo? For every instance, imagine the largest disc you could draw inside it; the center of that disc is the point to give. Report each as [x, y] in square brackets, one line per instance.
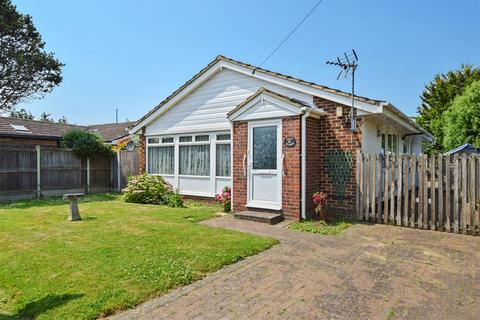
[197, 164]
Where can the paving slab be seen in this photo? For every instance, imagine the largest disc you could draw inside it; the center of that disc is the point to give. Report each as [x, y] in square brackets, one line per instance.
[368, 272]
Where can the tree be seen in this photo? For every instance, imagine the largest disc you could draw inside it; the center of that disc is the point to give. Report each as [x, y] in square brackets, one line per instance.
[462, 120]
[27, 71]
[21, 114]
[85, 143]
[45, 117]
[63, 120]
[437, 98]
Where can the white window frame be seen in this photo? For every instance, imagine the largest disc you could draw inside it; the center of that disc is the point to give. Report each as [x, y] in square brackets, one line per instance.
[223, 142]
[176, 178]
[160, 144]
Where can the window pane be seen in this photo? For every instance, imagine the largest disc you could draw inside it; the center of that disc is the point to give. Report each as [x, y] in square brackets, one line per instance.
[265, 148]
[202, 138]
[186, 139]
[161, 160]
[167, 140]
[153, 140]
[390, 144]
[394, 146]
[383, 143]
[195, 160]
[225, 136]
[223, 160]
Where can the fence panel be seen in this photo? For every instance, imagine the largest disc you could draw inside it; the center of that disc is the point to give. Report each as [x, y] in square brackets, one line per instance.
[18, 171]
[426, 192]
[61, 171]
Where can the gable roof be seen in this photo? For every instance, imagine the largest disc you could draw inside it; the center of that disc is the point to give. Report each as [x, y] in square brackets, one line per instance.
[223, 62]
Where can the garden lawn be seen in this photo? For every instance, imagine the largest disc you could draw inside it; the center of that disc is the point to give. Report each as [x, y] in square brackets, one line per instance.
[120, 255]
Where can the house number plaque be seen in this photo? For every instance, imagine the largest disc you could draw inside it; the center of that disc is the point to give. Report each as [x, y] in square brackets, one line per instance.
[290, 142]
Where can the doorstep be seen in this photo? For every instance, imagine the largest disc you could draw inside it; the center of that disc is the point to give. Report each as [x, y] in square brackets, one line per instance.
[265, 217]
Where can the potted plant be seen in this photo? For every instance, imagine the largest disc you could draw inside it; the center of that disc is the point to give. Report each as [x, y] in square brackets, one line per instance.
[320, 200]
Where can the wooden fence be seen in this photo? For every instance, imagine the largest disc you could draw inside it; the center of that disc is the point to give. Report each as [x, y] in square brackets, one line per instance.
[37, 172]
[426, 192]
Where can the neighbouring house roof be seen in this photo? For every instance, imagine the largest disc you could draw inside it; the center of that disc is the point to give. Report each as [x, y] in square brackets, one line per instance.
[369, 105]
[111, 131]
[55, 131]
[466, 148]
[34, 128]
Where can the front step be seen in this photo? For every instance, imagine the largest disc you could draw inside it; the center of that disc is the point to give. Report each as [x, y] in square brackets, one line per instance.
[265, 217]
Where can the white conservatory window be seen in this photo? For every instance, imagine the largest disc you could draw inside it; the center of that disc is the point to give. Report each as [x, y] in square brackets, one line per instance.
[161, 156]
[197, 164]
[195, 160]
[223, 155]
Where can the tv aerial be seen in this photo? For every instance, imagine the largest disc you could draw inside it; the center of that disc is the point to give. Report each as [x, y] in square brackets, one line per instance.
[348, 63]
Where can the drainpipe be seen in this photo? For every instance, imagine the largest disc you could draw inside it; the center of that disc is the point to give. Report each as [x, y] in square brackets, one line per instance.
[304, 161]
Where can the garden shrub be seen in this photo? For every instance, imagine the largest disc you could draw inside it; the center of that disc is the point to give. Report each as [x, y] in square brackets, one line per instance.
[86, 144]
[151, 190]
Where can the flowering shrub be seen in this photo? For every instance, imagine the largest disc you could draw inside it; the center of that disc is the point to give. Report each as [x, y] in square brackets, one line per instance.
[225, 198]
[320, 199]
[151, 190]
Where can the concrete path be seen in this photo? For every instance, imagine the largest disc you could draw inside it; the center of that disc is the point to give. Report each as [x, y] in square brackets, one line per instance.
[368, 272]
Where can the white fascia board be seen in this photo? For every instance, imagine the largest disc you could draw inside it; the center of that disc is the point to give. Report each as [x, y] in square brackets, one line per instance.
[302, 87]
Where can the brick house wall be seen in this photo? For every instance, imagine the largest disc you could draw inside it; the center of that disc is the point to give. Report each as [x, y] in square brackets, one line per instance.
[142, 152]
[334, 134]
[313, 164]
[291, 181]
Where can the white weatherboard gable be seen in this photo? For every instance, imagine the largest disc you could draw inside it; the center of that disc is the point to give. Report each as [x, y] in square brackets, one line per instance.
[264, 107]
[205, 108]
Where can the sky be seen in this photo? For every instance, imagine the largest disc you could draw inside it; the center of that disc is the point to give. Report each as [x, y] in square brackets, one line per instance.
[130, 55]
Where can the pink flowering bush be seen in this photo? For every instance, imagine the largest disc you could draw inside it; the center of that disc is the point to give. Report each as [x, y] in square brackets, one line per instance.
[320, 200]
[225, 198]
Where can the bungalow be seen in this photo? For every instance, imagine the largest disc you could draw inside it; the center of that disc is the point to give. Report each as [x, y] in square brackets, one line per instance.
[274, 139]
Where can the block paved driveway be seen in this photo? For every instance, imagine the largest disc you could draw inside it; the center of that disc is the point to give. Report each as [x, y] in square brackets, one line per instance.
[368, 272]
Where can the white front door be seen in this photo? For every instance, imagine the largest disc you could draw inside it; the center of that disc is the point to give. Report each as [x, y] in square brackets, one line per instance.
[265, 164]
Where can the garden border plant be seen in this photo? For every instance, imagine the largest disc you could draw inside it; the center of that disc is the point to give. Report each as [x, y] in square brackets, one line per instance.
[150, 189]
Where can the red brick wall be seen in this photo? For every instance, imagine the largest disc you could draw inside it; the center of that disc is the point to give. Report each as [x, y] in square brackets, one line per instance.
[335, 134]
[239, 145]
[313, 163]
[141, 149]
[291, 181]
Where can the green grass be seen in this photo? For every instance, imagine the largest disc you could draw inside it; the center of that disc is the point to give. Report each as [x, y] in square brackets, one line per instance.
[119, 255]
[321, 227]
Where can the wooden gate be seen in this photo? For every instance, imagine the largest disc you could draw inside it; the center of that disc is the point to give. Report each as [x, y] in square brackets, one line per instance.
[426, 192]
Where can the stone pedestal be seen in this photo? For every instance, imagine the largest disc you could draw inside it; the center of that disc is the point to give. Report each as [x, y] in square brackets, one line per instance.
[74, 213]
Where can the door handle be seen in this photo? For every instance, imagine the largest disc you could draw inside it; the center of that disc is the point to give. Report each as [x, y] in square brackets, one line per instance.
[283, 166]
[244, 165]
